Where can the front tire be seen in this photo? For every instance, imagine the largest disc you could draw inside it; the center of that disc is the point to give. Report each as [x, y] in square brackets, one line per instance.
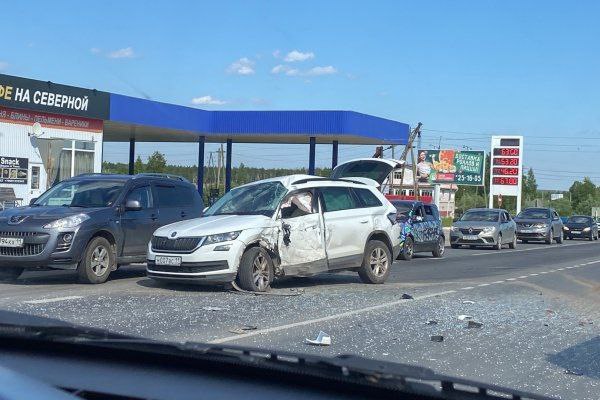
[550, 236]
[559, 239]
[10, 274]
[376, 264]
[513, 244]
[439, 248]
[498, 245]
[255, 273]
[408, 249]
[97, 262]
[591, 238]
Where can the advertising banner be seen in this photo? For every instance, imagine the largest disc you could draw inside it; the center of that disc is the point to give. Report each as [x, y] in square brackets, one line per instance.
[451, 166]
[14, 170]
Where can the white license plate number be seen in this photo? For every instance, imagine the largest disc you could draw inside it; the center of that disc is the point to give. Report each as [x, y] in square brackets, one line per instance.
[166, 260]
[471, 237]
[11, 242]
[526, 231]
[576, 231]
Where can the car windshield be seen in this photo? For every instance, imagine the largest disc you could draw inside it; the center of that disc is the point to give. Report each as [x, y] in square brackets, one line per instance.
[481, 215]
[260, 199]
[580, 220]
[534, 214]
[83, 193]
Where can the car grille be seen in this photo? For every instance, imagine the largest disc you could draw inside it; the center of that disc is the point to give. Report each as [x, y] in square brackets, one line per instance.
[18, 234]
[473, 231]
[191, 268]
[26, 250]
[179, 245]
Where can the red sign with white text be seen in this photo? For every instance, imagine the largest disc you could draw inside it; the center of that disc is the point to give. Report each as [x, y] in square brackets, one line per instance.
[50, 120]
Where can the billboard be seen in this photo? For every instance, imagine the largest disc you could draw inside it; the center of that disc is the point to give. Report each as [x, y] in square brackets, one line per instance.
[451, 166]
[14, 170]
[507, 167]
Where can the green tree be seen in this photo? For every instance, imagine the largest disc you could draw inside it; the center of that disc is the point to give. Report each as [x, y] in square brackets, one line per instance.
[529, 186]
[156, 163]
[139, 165]
[562, 206]
[582, 192]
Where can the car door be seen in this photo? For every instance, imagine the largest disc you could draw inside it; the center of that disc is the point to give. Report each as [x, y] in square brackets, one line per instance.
[511, 227]
[419, 227]
[301, 245]
[432, 221]
[557, 224]
[139, 225]
[172, 202]
[347, 227]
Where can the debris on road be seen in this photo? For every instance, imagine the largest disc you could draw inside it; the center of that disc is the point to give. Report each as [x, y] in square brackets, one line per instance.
[474, 324]
[571, 372]
[437, 338]
[464, 317]
[407, 296]
[211, 308]
[468, 302]
[584, 322]
[431, 322]
[550, 312]
[243, 329]
[292, 292]
[323, 339]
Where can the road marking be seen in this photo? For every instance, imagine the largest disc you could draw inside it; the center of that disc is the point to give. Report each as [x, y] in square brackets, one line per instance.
[511, 279]
[560, 269]
[544, 272]
[529, 249]
[52, 300]
[497, 282]
[533, 274]
[467, 288]
[484, 284]
[327, 318]
[522, 277]
[593, 262]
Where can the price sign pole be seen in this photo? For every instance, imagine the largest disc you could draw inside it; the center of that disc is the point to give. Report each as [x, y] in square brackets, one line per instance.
[506, 175]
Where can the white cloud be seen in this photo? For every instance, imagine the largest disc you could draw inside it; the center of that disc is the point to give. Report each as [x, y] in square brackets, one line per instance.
[126, 52]
[277, 53]
[278, 69]
[328, 70]
[243, 66]
[296, 55]
[293, 72]
[207, 100]
[3, 65]
[95, 50]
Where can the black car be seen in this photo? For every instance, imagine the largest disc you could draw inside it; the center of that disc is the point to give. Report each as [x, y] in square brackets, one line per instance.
[421, 228]
[580, 226]
[92, 223]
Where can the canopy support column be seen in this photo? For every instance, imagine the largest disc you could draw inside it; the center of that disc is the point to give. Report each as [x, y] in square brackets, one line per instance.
[200, 174]
[334, 154]
[228, 166]
[311, 156]
[131, 156]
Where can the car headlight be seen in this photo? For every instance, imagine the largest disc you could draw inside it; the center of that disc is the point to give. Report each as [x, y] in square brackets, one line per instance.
[68, 222]
[586, 229]
[566, 228]
[454, 229]
[489, 229]
[221, 237]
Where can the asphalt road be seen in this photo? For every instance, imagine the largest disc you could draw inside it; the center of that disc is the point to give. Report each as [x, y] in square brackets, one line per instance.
[539, 306]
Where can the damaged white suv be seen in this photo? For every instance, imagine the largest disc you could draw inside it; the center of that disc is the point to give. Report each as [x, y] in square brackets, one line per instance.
[297, 225]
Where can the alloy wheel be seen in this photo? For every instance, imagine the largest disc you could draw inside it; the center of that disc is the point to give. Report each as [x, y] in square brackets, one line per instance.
[379, 261]
[260, 272]
[441, 246]
[100, 260]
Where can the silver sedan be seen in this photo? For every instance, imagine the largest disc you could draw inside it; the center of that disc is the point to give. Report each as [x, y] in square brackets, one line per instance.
[480, 227]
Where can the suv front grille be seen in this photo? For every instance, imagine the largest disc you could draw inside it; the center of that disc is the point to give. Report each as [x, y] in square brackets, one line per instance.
[27, 250]
[18, 234]
[473, 231]
[179, 245]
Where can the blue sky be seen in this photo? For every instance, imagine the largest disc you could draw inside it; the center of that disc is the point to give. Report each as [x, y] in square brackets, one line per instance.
[466, 69]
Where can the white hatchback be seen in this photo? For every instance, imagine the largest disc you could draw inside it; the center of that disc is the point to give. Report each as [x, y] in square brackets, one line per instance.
[296, 225]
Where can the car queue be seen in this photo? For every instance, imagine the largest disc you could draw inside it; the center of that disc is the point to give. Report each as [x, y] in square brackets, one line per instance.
[295, 225]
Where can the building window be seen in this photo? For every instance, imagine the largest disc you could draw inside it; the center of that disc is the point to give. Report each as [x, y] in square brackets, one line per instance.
[35, 177]
[76, 157]
[397, 175]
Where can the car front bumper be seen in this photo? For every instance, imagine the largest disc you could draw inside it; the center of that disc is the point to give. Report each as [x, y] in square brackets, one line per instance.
[483, 239]
[205, 264]
[536, 234]
[43, 248]
[577, 234]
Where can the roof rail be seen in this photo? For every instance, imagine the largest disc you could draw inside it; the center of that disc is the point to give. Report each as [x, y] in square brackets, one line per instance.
[160, 175]
[306, 180]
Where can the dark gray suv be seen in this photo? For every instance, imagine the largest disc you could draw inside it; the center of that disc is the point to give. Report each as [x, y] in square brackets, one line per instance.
[92, 223]
[539, 224]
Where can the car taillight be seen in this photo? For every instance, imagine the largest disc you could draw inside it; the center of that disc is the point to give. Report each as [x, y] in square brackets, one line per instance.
[392, 217]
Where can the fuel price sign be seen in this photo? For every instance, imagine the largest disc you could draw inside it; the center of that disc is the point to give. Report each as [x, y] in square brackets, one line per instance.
[507, 167]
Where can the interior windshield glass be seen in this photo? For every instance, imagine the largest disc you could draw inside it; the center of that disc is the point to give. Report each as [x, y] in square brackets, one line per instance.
[375, 170]
[85, 193]
[579, 220]
[534, 214]
[481, 215]
[261, 198]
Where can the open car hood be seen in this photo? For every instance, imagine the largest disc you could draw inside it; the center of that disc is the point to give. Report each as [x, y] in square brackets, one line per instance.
[376, 169]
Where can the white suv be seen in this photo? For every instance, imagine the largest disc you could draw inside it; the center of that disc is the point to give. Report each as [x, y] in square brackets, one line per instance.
[296, 225]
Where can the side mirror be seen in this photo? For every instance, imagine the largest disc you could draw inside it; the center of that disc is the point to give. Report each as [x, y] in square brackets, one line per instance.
[132, 205]
[32, 201]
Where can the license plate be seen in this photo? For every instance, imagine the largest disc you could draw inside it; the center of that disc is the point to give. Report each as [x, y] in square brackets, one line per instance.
[525, 231]
[166, 260]
[11, 242]
[471, 237]
[576, 232]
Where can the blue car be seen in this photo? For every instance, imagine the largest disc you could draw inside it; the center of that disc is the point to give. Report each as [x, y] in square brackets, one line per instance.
[421, 228]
